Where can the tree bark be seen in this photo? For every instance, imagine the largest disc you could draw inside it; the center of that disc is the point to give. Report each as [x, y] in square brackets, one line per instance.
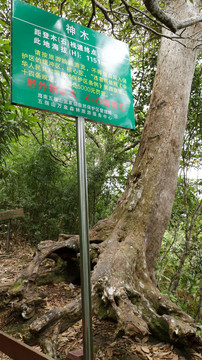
[123, 280]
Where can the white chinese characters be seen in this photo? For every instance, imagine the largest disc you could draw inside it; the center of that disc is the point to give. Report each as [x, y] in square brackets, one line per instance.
[84, 35]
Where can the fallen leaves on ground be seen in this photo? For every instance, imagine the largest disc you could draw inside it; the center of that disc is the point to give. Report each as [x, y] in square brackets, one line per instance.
[106, 345]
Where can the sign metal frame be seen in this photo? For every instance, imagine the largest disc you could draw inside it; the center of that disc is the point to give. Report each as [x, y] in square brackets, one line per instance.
[66, 68]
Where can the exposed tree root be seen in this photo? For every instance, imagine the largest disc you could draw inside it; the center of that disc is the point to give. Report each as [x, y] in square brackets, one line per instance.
[45, 330]
[24, 296]
[121, 290]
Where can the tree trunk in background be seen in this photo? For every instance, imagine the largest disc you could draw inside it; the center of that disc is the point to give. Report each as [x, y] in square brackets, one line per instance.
[123, 279]
[198, 315]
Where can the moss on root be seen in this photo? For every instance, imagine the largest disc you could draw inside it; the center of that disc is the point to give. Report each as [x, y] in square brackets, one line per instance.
[67, 271]
[159, 327]
[19, 326]
[106, 311]
[17, 288]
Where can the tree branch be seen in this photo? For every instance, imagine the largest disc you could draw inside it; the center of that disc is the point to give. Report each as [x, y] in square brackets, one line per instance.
[164, 19]
[42, 132]
[147, 16]
[35, 137]
[190, 22]
[57, 159]
[93, 13]
[61, 6]
[127, 6]
[95, 140]
[52, 155]
[154, 8]
[104, 11]
[146, 26]
[130, 147]
[195, 215]
[66, 118]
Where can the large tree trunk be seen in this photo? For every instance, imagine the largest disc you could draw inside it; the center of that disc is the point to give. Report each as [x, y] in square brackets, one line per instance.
[123, 279]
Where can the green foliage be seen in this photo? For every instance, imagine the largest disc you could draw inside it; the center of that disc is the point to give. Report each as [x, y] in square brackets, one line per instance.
[179, 266]
[13, 120]
[187, 295]
[34, 179]
[191, 155]
[109, 160]
[33, 182]
[9, 128]
[143, 62]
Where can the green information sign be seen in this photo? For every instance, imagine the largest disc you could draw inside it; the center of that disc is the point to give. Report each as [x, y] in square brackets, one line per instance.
[66, 68]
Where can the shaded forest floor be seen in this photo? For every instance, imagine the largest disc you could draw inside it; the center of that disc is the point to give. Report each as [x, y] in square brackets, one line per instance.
[107, 346]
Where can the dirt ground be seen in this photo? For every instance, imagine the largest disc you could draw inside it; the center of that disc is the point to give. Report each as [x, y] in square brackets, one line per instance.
[107, 346]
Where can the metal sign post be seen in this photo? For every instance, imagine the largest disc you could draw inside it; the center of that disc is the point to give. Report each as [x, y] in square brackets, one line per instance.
[84, 241]
[9, 215]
